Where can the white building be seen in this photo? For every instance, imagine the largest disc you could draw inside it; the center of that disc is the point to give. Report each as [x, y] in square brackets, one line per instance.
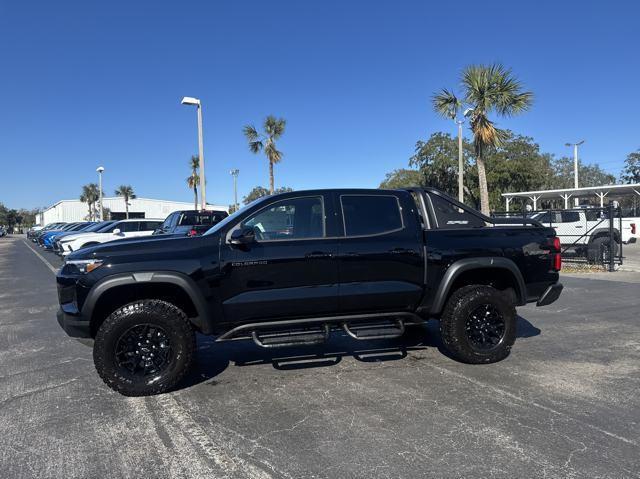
[76, 210]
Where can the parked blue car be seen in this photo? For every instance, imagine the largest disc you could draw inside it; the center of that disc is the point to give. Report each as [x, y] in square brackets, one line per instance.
[48, 238]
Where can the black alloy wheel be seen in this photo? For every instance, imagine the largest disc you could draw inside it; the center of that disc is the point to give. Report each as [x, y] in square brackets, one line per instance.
[485, 327]
[143, 350]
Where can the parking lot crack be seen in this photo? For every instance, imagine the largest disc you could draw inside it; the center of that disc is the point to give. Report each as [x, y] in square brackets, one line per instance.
[535, 404]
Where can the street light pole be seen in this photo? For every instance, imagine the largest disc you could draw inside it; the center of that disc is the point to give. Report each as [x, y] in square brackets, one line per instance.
[196, 102]
[460, 163]
[235, 173]
[575, 166]
[465, 114]
[100, 169]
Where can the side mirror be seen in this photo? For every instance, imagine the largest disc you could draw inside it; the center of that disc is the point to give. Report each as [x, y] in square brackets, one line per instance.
[243, 235]
[116, 231]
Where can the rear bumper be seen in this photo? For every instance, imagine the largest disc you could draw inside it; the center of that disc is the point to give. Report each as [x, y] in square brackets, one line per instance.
[551, 294]
[74, 326]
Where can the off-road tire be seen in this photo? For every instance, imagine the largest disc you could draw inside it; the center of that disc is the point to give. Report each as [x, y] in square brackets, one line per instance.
[594, 252]
[157, 313]
[453, 322]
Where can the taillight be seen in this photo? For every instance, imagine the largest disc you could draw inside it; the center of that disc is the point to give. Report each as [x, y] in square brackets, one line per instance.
[192, 233]
[552, 244]
[633, 228]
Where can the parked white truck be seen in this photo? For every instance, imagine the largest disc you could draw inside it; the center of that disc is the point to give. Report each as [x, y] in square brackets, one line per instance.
[587, 230]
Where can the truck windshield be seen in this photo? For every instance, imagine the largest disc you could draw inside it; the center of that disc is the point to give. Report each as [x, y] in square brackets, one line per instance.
[101, 227]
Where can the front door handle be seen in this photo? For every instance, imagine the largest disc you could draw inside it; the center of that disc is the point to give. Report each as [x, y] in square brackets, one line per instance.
[317, 254]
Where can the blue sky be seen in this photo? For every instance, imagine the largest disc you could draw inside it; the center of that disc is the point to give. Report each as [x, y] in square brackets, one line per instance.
[99, 83]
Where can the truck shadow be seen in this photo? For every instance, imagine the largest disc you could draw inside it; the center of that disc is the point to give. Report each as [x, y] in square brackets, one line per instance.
[213, 358]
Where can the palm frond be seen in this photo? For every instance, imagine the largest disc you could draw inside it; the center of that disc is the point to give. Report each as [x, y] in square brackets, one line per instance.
[193, 181]
[194, 162]
[446, 104]
[485, 134]
[255, 146]
[494, 87]
[274, 127]
[272, 153]
[250, 133]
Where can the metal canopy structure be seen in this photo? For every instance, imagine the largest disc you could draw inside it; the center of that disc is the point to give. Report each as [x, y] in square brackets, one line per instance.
[589, 191]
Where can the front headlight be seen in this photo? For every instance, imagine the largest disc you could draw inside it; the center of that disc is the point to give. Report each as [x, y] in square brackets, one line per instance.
[85, 265]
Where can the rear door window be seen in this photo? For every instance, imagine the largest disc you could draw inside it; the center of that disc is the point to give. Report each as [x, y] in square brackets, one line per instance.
[370, 214]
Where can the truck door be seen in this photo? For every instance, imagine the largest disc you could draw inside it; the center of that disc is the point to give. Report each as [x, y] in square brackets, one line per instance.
[290, 269]
[380, 252]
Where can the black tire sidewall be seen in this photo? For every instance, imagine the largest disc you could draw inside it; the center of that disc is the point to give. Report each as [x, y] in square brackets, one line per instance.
[465, 302]
[595, 248]
[158, 313]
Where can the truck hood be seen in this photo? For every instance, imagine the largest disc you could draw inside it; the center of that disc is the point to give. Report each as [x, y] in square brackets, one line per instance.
[147, 249]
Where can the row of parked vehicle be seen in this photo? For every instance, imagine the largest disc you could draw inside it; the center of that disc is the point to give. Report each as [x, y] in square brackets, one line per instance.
[65, 238]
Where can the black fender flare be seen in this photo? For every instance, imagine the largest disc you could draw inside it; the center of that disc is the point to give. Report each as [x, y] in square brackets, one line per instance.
[202, 321]
[468, 264]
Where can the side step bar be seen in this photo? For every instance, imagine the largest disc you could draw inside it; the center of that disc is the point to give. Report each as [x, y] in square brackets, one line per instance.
[375, 330]
[309, 331]
[283, 339]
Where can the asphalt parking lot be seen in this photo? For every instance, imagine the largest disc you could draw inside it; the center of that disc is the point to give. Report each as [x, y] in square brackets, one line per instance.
[564, 404]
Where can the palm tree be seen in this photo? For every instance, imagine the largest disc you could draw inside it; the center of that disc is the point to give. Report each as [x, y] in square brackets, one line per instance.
[485, 89]
[126, 191]
[90, 195]
[273, 130]
[194, 179]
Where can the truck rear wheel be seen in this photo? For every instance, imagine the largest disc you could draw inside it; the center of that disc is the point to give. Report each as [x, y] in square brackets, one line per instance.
[144, 348]
[598, 251]
[478, 325]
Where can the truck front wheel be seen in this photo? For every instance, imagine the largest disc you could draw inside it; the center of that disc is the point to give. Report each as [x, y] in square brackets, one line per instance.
[478, 325]
[144, 348]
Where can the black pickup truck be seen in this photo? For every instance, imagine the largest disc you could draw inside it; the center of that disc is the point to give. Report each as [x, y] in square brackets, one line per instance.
[290, 269]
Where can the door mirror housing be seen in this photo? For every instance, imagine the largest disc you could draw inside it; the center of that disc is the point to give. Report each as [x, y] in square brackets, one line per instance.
[244, 235]
[117, 231]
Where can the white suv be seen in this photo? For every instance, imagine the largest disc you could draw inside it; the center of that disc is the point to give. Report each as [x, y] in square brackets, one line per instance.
[118, 230]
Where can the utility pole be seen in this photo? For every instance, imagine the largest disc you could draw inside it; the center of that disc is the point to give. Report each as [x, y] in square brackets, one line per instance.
[235, 173]
[100, 170]
[460, 163]
[575, 167]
